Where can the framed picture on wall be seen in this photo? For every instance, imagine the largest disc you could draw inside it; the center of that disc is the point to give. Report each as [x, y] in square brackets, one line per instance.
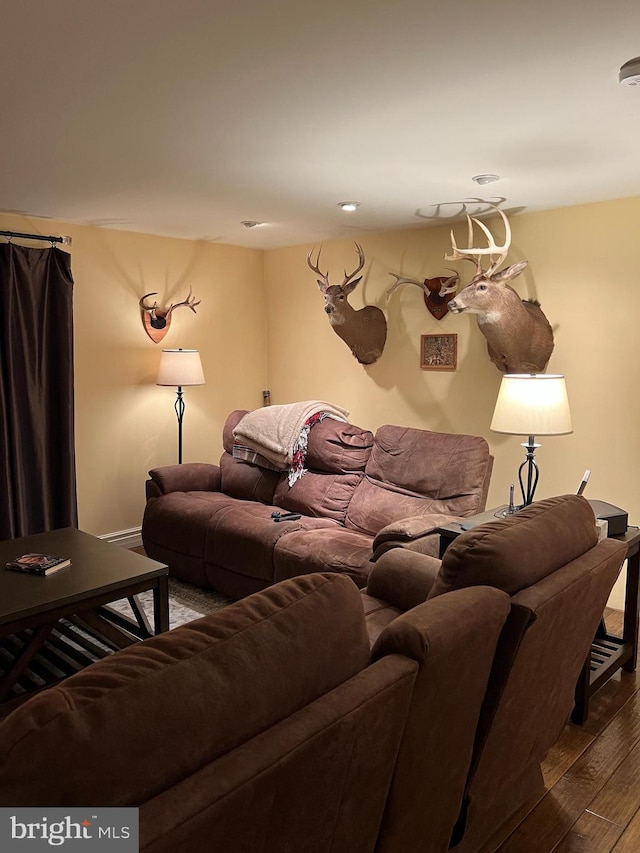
[438, 352]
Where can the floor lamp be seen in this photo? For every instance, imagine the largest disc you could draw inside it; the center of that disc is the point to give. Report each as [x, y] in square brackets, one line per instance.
[179, 367]
[531, 404]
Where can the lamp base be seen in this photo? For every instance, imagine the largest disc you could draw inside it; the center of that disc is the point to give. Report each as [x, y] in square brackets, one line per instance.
[532, 472]
[179, 407]
[507, 511]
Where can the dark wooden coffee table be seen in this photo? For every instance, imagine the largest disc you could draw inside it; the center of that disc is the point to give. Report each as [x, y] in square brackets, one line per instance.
[53, 626]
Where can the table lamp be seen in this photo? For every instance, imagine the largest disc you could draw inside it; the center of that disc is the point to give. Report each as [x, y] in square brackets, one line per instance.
[531, 404]
[180, 367]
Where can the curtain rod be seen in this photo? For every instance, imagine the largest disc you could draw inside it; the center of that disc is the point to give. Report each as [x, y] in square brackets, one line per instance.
[66, 241]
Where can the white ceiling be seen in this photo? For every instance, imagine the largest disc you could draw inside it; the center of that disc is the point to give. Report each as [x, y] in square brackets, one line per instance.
[184, 117]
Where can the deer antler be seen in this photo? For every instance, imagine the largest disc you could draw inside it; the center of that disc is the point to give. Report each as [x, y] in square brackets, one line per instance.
[314, 267]
[450, 285]
[401, 280]
[189, 302]
[496, 253]
[150, 310]
[349, 276]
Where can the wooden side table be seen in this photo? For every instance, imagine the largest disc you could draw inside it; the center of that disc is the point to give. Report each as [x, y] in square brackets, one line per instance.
[609, 652]
[449, 532]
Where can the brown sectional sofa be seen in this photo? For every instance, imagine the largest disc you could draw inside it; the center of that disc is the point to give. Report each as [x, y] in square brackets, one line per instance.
[213, 525]
[269, 725]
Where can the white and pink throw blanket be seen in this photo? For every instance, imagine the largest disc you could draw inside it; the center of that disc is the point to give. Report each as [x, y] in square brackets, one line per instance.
[279, 434]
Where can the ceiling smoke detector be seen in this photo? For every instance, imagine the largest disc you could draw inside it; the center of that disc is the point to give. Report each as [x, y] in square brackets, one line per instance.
[250, 223]
[485, 179]
[630, 73]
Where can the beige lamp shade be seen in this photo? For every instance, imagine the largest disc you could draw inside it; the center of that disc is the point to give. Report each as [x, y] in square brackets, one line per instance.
[180, 367]
[532, 404]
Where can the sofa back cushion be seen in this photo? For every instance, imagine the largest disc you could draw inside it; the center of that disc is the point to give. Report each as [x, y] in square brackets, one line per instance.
[247, 482]
[416, 472]
[337, 454]
[312, 783]
[318, 495]
[340, 450]
[204, 688]
[335, 447]
[239, 479]
[518, 551]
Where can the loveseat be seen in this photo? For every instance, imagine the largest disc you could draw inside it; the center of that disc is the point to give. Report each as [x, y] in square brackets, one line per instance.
[362, 494]
[268, 726]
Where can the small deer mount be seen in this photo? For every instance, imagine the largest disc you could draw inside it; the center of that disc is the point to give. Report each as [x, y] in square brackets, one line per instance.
[156, 321]
[363, 330]
[438, 292]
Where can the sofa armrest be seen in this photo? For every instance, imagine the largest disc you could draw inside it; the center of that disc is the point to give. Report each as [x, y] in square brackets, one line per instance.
[406, 531]
[188, 477]
[402, 578]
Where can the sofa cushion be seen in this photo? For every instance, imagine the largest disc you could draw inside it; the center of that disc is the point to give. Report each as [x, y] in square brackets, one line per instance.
[414, 472]
[247, 482]
[242, 539]
[518, 551]
[330, 548]
[320, 495]
[230, 424]
[181, 519]
[336, 447]
[203, 688]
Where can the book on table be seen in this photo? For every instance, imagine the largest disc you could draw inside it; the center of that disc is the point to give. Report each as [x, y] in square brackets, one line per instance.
[37, 564]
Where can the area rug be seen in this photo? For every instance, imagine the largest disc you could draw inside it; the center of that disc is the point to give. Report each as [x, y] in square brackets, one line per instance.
[186, 603]
[72, 639]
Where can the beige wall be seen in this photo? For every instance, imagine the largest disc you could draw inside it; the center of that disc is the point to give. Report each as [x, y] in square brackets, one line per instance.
[260, 308]
[125, 424]
[582, 267]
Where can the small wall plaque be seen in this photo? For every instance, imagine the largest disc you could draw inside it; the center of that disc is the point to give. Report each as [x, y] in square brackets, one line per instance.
[438, 352]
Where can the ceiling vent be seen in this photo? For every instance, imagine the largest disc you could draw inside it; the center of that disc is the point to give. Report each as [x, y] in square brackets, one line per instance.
[630, 73]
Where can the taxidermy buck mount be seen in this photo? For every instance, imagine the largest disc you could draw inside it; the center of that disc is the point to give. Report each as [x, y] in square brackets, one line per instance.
[519, 336]
[156, 320]
[364, 330]
[438, 292]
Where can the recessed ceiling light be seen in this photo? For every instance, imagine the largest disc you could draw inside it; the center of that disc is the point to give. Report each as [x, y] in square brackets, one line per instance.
[250, 223]
[630, 73]
[349, 205]
[485, 179]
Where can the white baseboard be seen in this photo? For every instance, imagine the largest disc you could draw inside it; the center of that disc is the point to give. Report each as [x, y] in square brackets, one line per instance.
[131, 538]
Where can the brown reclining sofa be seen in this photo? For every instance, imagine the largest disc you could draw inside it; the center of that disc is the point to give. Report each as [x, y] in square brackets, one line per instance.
[213, 524]
[273, 724]
[268, 726]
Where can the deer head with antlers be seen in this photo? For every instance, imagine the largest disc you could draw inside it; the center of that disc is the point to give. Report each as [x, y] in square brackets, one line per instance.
[364, 330]
[156, 320]
[519, 336]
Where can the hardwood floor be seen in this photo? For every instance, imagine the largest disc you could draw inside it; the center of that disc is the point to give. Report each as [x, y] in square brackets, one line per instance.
[592, 778]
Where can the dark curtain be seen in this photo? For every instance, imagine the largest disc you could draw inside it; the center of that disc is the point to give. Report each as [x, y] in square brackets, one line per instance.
[37, 459]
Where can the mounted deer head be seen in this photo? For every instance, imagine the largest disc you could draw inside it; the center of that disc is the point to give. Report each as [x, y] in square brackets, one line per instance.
[438, 292]
[156, 320]
[519, 336]
[365, 330]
